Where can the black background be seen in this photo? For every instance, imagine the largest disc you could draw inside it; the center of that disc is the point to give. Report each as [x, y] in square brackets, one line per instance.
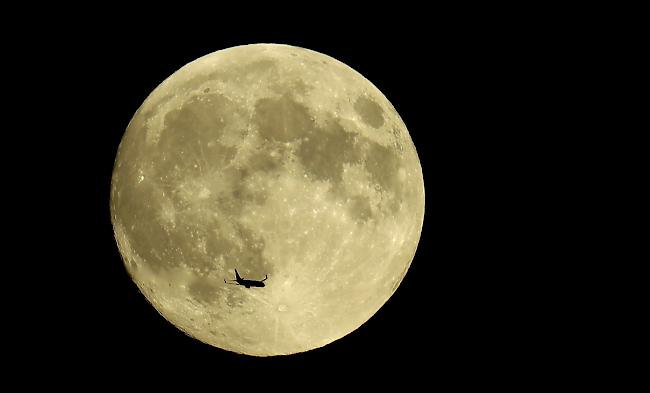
[458, 317]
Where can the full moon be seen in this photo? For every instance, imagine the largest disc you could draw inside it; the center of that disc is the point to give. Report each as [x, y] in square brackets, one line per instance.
[272, 160]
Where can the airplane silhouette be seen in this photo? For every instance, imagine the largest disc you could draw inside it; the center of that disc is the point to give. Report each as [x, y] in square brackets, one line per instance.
[246, 283]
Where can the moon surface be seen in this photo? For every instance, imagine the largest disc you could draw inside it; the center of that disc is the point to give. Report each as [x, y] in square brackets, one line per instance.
[276, 160]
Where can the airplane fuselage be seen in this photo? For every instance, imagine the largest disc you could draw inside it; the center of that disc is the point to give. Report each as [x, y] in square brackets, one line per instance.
[250, 283]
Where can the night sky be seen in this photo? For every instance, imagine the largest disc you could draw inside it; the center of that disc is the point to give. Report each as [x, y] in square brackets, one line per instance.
[452, 319]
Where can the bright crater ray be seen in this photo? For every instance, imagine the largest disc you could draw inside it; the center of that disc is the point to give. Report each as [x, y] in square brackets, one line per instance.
[275, 160]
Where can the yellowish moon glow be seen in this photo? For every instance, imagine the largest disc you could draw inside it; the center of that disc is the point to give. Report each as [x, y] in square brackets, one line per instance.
[270, 159]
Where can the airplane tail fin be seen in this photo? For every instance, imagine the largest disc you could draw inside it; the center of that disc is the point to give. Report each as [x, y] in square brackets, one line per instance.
[237, 275]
